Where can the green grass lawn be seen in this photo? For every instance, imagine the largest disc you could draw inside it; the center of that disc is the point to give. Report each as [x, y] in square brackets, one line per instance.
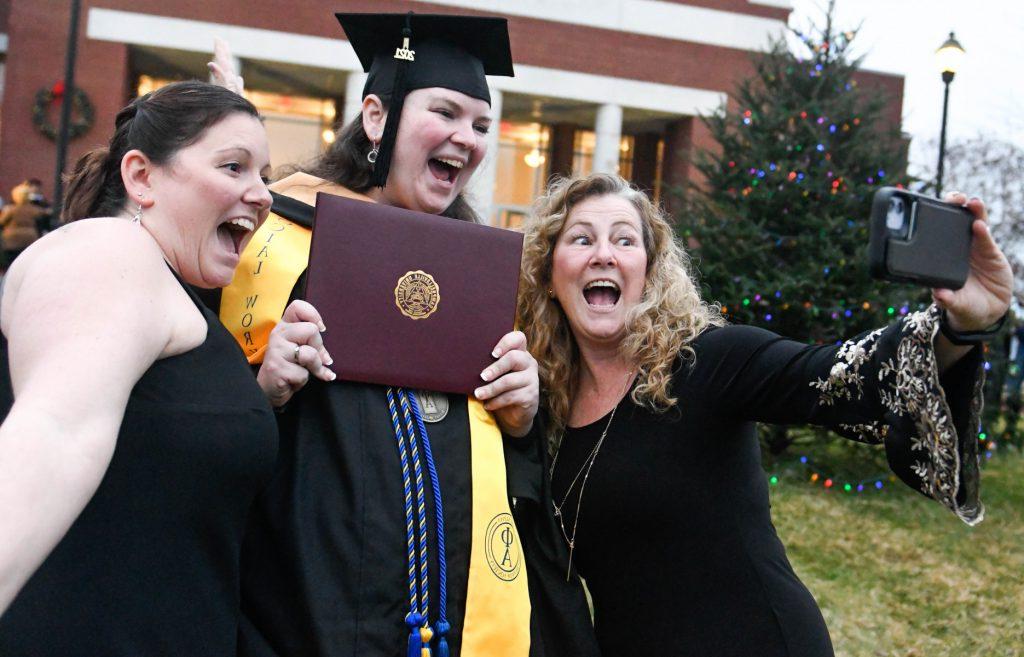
[896, 575]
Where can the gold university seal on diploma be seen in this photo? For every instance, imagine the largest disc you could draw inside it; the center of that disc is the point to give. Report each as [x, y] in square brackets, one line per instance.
[417, 294]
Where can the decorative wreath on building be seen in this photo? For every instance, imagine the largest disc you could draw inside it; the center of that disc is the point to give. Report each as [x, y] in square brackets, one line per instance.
[82, 116]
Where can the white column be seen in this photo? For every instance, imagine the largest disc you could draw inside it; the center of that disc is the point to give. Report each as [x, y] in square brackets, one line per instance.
[481, 186]
[608, 129]
[353, 96]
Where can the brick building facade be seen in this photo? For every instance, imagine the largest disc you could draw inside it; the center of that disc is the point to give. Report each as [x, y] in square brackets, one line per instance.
[600, 84]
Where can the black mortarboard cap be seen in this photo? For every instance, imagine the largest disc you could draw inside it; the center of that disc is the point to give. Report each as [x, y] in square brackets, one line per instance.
[453, 52]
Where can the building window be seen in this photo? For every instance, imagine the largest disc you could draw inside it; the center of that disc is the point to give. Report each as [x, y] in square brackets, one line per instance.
[583, 154]
[523, 165]
[298, 127]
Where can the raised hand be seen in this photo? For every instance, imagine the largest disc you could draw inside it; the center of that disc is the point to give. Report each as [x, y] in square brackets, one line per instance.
[222, 68]
[513, 389]
[985, 297]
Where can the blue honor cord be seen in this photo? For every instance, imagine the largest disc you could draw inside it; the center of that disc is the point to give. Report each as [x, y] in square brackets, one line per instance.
[418, 618]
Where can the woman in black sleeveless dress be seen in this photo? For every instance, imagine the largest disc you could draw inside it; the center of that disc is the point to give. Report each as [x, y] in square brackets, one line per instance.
[135, 437]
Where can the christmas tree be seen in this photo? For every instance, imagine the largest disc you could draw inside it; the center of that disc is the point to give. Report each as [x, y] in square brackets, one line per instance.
[779, 226]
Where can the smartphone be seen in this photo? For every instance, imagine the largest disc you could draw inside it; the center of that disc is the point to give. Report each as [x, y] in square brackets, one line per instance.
[918, 239]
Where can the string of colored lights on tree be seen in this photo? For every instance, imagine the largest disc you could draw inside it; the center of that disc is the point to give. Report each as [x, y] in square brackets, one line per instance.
[768, 312]
[818, 476]
[770, 173]
[836, 183]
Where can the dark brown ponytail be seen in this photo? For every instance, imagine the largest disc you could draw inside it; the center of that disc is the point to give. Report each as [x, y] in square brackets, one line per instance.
[84, 184]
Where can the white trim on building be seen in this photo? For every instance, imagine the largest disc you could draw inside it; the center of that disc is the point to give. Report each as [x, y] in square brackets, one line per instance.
[270, 45]
[778, 4]
[669, 20]
[604, 90]
[197, 36]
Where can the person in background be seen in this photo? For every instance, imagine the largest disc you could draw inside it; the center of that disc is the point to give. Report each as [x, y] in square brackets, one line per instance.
[19, 220]
[134, 437]
[651, 401]
[44, 223]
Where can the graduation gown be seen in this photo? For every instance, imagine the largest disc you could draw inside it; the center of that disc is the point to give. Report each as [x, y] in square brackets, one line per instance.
[324, 569]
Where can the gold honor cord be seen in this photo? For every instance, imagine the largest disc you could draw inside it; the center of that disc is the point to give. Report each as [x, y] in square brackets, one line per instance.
[497, 621]
[268, 270]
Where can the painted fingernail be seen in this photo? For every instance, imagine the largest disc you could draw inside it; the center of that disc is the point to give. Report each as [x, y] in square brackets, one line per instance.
[496, 353]
[486, 375]
[333, 375]
[329, 361]
[322, 327]
[478, 393]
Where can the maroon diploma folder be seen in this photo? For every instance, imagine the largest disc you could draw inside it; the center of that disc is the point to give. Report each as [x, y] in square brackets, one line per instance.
[410, 299]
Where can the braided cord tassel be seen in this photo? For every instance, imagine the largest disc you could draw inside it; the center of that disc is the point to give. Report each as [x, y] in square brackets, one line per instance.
[413, 619]
[421, 504]
[442, 627]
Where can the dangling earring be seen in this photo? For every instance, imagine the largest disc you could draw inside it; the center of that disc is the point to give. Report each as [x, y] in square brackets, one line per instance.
[551, 293]
[137, 217]
[371, 157]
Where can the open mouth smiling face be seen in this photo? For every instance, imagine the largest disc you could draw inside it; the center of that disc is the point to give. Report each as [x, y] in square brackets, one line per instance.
[446, 169]
[440, 143]
[210, 198]
[601, 294]
[599, 267]
[235, 233]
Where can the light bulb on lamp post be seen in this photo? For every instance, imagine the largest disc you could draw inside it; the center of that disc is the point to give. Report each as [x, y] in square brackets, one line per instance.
[534, 158]
[948, 58]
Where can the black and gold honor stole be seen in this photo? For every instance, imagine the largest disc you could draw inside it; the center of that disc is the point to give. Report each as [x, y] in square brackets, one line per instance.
[407, 428]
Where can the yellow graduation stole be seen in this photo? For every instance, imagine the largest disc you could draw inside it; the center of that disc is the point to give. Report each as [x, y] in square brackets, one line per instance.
[267, 271]
[497, 617]
[497, 621]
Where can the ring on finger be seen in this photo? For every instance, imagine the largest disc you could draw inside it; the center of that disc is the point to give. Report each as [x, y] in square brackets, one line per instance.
[295, 354]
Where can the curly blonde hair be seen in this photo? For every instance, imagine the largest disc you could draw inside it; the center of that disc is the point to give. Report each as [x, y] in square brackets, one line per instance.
[658, 330]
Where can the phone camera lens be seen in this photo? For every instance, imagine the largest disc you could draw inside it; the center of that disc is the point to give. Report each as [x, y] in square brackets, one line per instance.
[895, 218]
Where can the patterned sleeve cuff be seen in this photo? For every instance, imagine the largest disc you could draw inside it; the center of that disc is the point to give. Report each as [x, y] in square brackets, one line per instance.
[930, 446]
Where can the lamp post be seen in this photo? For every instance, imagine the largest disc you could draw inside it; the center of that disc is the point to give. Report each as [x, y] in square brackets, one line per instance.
[65, 111]
[948, 57]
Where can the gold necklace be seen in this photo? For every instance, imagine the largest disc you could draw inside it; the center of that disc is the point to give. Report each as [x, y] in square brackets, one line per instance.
[584, 471]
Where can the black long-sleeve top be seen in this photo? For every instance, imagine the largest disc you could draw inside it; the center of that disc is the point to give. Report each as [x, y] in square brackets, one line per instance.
[675, 538]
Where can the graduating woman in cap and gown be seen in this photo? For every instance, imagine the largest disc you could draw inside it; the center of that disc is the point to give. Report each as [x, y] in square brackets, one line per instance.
[334, 562]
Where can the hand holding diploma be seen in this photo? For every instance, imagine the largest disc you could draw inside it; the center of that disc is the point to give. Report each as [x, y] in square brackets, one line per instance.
[513, 390]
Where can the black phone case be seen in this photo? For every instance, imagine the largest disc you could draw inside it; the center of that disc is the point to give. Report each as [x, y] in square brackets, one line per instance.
[937, 252]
